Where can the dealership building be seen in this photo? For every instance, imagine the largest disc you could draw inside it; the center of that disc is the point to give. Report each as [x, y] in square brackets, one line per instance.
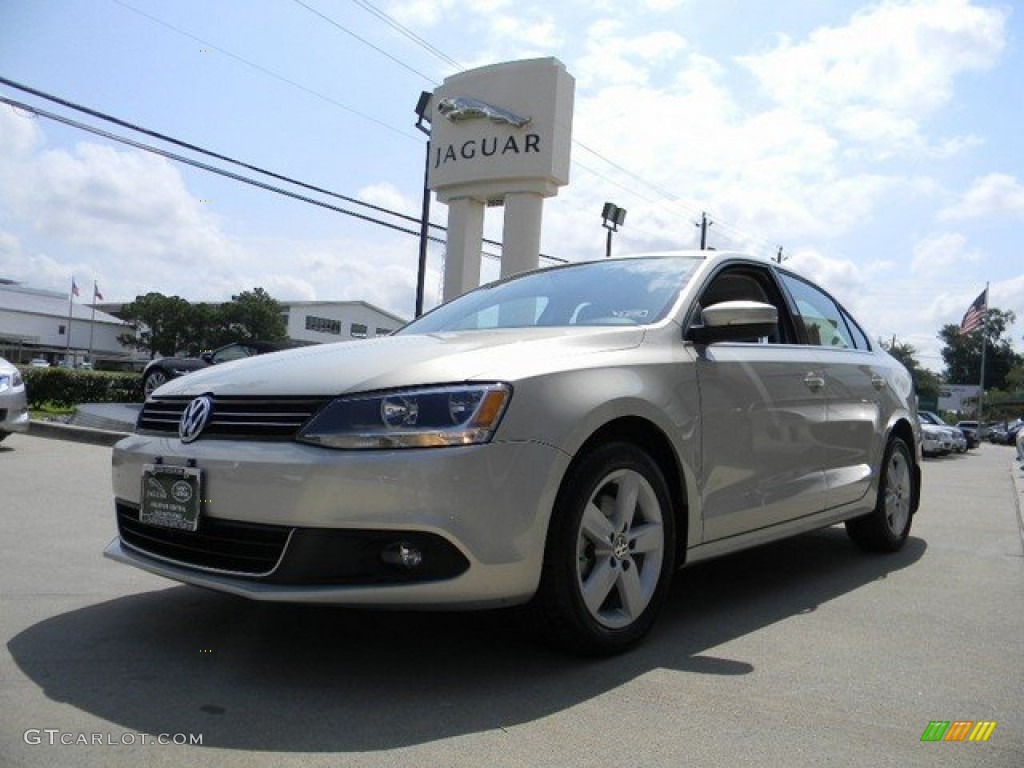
[44, 324]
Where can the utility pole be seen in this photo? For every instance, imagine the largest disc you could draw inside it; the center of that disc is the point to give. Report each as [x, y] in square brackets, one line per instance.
[704, 224]
[779, 257]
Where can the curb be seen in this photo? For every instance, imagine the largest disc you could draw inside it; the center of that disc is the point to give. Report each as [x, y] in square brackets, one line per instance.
[57, 431]
[1017, 476]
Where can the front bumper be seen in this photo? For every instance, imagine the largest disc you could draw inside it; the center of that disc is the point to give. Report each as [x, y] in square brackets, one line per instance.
[478, 514]
[14, 414]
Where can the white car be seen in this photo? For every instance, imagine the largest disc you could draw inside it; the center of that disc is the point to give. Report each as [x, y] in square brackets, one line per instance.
[935, 440]
[955, 440]
[565, 439]
[13, 401]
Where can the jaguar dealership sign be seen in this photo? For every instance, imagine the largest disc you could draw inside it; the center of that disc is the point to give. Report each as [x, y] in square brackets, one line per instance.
[500, 136]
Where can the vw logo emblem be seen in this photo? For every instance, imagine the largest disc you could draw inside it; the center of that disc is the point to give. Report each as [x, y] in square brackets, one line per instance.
[193, 420]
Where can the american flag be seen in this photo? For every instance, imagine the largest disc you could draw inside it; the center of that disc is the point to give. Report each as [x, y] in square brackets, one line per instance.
[74, 287]
[975, 315]
[96, 291]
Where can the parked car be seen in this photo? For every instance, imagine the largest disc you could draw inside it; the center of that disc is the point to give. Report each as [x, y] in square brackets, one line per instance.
[564, 440]
[1005, 433]
[957, 439]
[936, 441]
[13, 401]
[160, 371]
[971, 431]
[39, 362]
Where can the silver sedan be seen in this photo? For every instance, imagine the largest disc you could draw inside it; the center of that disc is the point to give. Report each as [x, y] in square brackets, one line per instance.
[564, 440]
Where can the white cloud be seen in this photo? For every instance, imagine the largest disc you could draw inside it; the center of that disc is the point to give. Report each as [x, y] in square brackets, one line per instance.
[939, 252]
[614, 57]
[387, 195]
[891, 66]
[424, 13]
[992, 196]
[128, 220]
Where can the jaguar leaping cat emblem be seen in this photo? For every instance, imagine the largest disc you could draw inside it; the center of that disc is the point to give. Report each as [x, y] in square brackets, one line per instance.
[464, 108]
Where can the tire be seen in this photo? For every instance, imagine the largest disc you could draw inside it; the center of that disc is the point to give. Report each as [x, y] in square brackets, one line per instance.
[886, 528]
[609, 556]
[154, 379]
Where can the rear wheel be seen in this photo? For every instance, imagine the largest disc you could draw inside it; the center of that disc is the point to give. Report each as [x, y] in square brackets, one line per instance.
[609, 555]
[887, 527]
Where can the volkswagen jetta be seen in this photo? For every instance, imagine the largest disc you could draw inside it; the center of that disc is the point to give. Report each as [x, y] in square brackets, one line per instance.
[564, 440]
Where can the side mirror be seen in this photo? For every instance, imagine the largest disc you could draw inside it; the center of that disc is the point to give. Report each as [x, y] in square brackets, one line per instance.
[734, 321]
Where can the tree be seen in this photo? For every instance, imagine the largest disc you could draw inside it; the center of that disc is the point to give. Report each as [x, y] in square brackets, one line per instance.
[1015, 379]
[252, 316]
[169, 325]
[962, 353]
[926, 383]
[160, 324]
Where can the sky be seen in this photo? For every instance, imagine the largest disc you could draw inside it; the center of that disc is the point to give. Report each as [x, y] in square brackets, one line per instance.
[878, 144]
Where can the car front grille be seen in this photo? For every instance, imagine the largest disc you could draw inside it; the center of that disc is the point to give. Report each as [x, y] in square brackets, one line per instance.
[221, 545]
[266, 418]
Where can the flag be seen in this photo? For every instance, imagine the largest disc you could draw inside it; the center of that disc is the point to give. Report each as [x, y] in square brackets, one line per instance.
[975, 315]
[74, 287]
[96, 291]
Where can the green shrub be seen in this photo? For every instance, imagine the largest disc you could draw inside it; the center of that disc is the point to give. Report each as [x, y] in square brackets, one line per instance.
[65, 388]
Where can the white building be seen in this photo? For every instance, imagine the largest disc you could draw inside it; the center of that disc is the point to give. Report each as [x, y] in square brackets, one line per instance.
[959, 398]
[323, 322]
[36, 323]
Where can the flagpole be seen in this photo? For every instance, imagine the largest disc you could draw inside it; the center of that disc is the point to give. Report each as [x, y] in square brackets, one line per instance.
[984, 345]
[71, 307]
[92, 319]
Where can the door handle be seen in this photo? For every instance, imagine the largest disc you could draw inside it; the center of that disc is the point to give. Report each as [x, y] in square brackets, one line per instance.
[814, 381]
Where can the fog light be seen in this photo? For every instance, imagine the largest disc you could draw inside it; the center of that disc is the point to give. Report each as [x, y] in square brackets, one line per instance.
[402, 553]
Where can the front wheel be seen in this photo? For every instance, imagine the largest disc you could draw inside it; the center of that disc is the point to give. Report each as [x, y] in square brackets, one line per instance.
[154, 380]
[887, 527]
[610, 553]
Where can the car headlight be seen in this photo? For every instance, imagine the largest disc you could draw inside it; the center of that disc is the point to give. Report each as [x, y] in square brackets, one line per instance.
[428, 417]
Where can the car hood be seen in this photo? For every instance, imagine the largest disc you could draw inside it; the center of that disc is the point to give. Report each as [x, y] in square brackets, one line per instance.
[400, 361]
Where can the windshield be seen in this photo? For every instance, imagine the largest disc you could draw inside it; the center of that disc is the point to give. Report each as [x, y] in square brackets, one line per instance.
[621, 292]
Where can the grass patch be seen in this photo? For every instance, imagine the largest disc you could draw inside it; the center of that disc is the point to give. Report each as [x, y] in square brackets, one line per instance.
[49, 411]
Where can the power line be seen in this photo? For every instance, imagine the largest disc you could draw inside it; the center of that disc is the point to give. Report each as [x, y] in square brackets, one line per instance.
[200, 150]
[206, 167]
[364, 41]
[668, 197]
[212, 169]
[266, 71]
[398, 26]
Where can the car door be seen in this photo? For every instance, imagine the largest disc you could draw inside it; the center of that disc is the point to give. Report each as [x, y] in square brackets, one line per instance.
[762, 411]
[856, 390]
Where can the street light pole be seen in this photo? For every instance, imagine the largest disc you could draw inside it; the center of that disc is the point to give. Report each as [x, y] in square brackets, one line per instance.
[612, 217]
[421, 275]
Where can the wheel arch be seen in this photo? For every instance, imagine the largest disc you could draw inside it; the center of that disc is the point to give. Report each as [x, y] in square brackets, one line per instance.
[905, 432]
[652, 440]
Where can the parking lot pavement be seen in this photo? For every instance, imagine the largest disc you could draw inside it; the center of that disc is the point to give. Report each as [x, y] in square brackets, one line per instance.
[804, 653]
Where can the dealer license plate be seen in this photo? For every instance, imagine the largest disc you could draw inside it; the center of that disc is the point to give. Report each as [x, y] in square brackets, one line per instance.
[171, 496]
